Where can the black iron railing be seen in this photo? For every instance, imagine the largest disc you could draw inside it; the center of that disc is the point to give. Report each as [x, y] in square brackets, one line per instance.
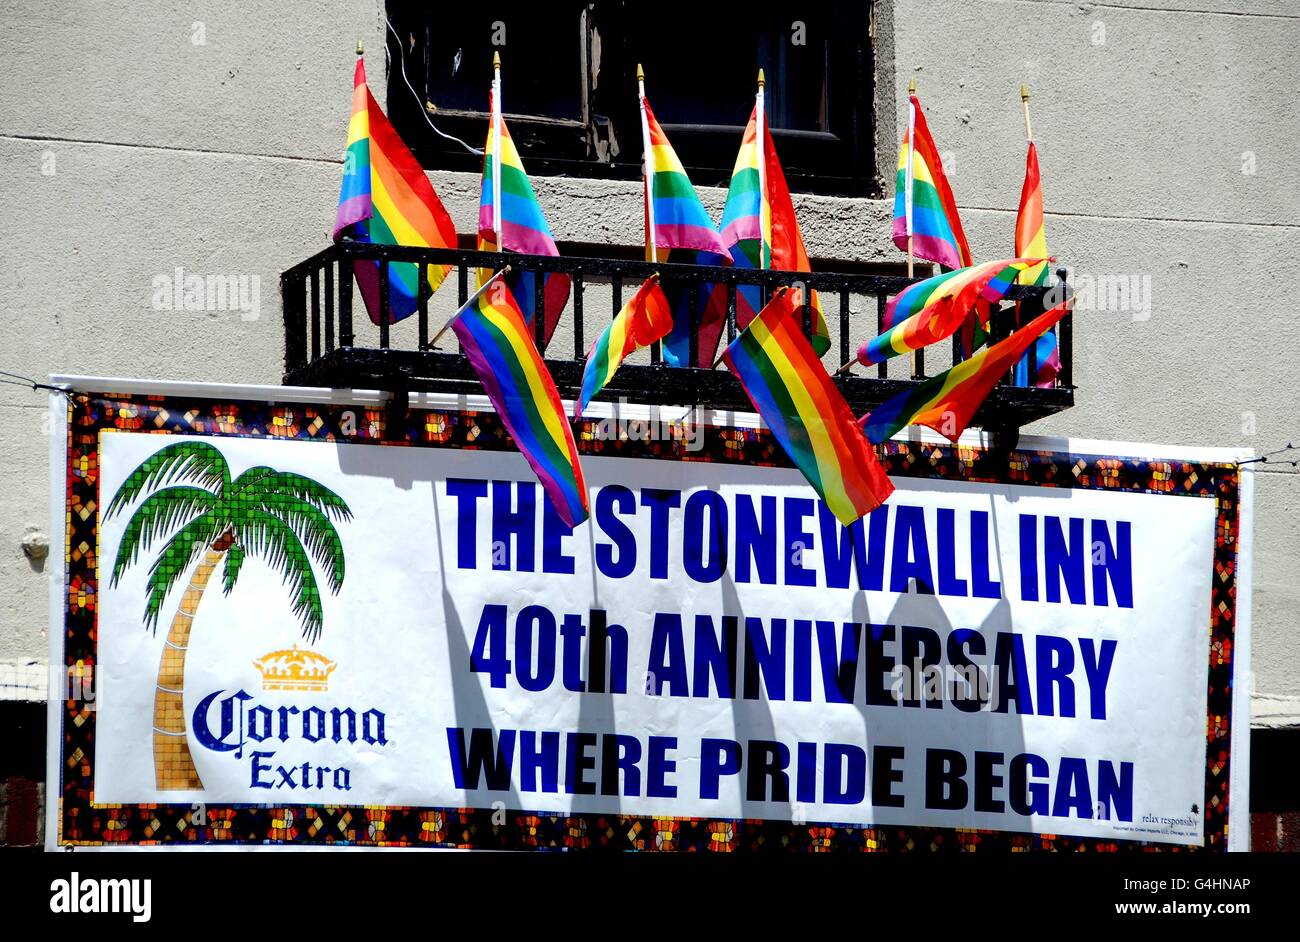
[323, 347]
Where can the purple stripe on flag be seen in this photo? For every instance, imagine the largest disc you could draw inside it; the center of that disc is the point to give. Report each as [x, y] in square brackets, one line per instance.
[683, 236]
[351, 211]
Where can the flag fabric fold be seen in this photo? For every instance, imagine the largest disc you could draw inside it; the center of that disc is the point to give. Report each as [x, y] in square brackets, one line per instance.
[759, 226]
[645, 318]
[678, 229]
[680, 220]
[386, 199]
[932, 310]
[948, 402]
[710, 316]
[791, 390]
[924, 207]
[500, 348]
[1031, 240]
[523, 227]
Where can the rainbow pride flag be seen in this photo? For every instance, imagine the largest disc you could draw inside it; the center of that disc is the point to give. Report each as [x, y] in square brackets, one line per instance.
[500, 347]
[948, 402]
[924, 207]
[759, 225]
[1031, 239]
[675, 218]
[678, 229]
[523, 227]
[791, 390]
[386, 199]
[645, 318]
[931, 310]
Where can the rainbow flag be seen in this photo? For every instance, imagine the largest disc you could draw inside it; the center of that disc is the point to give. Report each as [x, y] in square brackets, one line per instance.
[386, 199]
[759, 225]
[680, 220]
[1031, 239]
[523, 227]
[500, 347]
[948, 402]
[791, 390]
[644, 319]
[924, 207]
[678, 229]
[931, 310]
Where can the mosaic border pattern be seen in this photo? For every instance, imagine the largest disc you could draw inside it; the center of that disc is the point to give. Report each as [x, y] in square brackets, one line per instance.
[82, 823]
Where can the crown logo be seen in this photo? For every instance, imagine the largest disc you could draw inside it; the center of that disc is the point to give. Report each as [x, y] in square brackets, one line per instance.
[292, 669]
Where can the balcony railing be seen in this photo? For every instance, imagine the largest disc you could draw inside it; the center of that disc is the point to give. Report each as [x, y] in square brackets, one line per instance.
[327, 345]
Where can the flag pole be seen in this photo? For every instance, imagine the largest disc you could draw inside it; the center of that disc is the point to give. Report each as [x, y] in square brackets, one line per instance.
[647, 169]
[466, 306]
[908, 180]
[907, 198]
[1024, 100]
[496, 150]
[764, 250]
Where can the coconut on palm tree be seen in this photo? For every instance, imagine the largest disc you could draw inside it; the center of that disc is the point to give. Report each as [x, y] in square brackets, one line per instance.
[190, 501]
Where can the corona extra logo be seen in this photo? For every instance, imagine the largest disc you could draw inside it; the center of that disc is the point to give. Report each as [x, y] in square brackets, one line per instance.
[294, 669]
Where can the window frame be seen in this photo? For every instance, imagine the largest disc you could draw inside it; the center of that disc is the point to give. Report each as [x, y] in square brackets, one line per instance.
[604, 142]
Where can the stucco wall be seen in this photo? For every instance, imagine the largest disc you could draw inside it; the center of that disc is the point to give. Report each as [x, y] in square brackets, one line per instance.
[143, 138]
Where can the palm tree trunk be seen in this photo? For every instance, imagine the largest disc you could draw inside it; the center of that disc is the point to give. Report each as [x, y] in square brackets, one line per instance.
[172, 764]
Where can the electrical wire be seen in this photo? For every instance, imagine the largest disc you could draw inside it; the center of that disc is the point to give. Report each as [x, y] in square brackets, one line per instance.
[29, 383]
[1263, 459]
[401, 67]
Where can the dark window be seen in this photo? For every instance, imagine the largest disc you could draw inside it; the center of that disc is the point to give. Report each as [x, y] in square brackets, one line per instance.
[569, 85]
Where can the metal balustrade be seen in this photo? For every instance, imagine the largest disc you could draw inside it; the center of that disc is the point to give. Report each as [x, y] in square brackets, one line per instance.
[327, 345]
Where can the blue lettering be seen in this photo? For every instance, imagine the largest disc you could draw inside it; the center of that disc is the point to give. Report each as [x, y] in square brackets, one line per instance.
[611, 501]
[667, 661]
[1064, 561]
[911, 556]
[798, 541]
[1116, 563]
[700, 540]
[659, 502]
[755, 542]
[513, 524]
[466, 491]
[983, 586]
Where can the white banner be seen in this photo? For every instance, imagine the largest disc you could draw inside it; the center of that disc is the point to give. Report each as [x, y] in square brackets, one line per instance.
[711, 643]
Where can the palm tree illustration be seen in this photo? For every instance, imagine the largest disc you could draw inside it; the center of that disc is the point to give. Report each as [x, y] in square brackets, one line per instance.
[190, 501]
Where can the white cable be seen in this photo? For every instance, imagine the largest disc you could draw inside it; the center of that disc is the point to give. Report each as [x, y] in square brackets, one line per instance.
[401, 67]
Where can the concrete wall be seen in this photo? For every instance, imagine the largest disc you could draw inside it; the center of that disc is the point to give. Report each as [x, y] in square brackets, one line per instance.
[143, 138]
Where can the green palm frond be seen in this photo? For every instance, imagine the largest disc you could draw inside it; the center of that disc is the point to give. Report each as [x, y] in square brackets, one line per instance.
[247, 490]
[316, 533]
[184, 461]
[282, 517]
[266, 535]
[234, 563]
[249, 478]
[174, 561]
[154, 518]
[289, 484]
